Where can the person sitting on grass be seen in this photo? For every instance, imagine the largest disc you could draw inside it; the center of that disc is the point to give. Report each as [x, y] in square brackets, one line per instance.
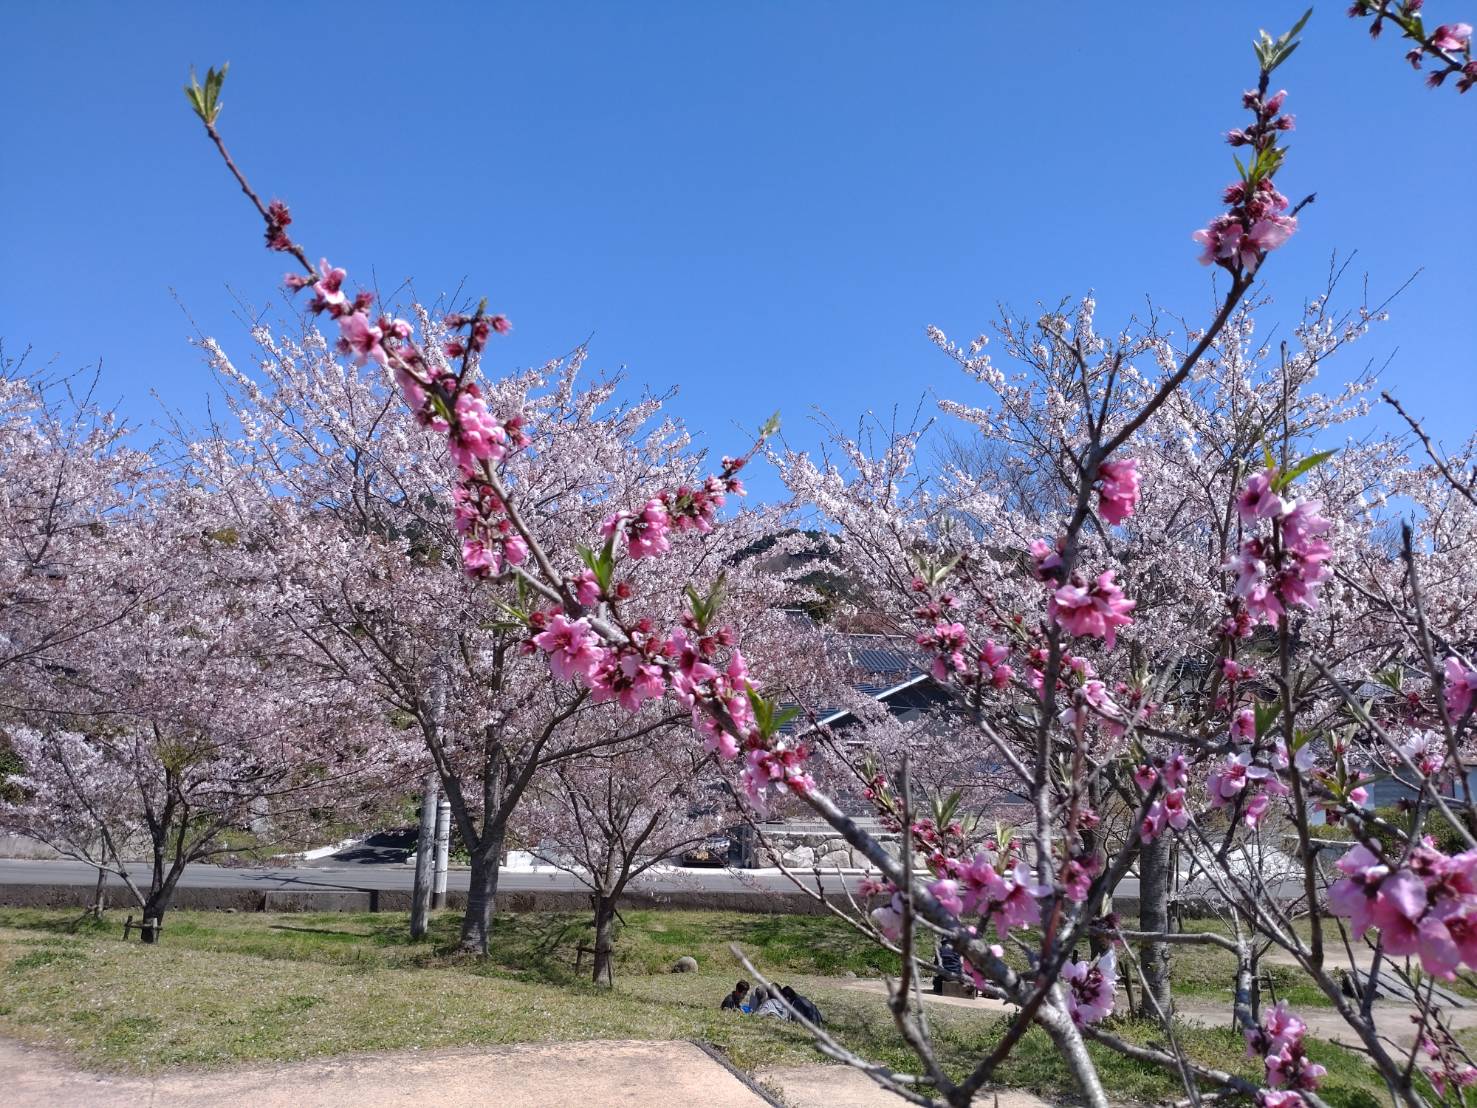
[802, 1005]
[735, 999]
[766, 1004]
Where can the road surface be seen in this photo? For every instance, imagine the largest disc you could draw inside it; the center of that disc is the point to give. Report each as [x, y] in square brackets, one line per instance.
[363, 877]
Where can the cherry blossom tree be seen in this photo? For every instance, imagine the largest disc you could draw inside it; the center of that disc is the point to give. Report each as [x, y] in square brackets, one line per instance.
[610, 816]
[1275, 721]
[366, 563]
[186, 721]
[69, 475]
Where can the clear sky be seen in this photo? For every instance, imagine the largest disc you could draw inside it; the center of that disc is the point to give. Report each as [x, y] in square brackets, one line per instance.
[762, 203]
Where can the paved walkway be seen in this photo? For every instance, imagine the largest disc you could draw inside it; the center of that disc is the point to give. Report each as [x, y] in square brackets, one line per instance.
[843, 1087]
[557, 1075]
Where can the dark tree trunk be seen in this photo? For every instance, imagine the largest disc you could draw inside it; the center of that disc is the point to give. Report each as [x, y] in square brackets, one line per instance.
[155, 905]
[482, 894]
[604, 972]
[1154, 888]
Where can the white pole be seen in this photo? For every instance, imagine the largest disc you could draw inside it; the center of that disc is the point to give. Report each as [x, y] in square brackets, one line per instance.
[420, 898]
[443, 851]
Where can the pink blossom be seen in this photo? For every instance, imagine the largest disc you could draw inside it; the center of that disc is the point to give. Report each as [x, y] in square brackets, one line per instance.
[1077, 878]
[357, 336]
[1398, 909]
[328, 292]
[1427, 750]
[477, 436]
[628, 677]
[1176, 770]
[946, 892]
[1255, 809]
[1231, 778]
[1097, 611]
[1352, 896]
[888, 919]
[645, 533]
[1046, 560]
[587, 589]
[1175, 812]
[1461, 687]
[1257, 500]
[481, 559]
[573, 648]
[1451, 36]
[1090, 988]
[1243, 726]
[1119, 492]
[947, 642]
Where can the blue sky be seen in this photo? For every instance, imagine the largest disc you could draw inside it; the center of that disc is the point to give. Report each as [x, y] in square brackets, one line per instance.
[763, 204]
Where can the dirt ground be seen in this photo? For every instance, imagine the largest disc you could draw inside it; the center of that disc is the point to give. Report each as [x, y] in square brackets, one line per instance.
[558, 1075]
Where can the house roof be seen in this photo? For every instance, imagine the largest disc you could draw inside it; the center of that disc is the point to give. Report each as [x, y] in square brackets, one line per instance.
[881, 665]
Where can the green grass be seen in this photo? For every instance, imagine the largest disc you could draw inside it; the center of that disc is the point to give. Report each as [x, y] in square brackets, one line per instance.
[226, 988]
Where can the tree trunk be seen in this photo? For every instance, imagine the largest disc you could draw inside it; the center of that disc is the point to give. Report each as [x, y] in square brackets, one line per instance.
[420, 896]
[481, 894]
[100, 895]
[604, 972]
[155, 906]
[1154, 886]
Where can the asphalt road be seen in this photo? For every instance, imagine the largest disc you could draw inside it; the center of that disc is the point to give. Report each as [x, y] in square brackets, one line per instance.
[364, 876]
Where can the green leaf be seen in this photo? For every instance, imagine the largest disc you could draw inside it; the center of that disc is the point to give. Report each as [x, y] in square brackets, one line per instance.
[1302, 467]
[1266, 715]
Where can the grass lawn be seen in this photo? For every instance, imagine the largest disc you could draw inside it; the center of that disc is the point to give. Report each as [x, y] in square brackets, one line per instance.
[226, 988]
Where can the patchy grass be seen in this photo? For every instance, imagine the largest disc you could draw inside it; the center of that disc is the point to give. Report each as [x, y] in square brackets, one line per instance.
[226, 988]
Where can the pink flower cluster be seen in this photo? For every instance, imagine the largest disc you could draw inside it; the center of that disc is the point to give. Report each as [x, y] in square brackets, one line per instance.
[1239, 774]
[948, 643]
[1090, 988]
[1095, 610]
[1460, 680]
[366, 341]
[686, 509]
[1284, 569]
[489, 541]
[1254, 224]
[1453, 1070]
[1279, 1042]
[1425, 908]
[1169, 810]
[1009, 899]
[1449, 46]
[1118, 491]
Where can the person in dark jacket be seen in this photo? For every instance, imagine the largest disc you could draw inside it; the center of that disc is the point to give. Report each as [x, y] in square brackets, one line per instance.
[948, 961]
[802, 1005]
[735, 999]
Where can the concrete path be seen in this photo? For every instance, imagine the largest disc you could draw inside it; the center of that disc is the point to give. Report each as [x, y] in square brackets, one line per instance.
[556, 1075]
[843, 1087]
[983, 1004]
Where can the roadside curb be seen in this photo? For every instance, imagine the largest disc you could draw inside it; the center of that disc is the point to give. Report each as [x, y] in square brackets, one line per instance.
[749, 1083]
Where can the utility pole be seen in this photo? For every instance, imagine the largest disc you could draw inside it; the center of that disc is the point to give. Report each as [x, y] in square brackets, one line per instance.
[443, 851]
[425, 845]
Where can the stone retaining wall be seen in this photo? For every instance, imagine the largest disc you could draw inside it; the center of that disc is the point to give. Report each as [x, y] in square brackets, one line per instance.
[398, 900]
